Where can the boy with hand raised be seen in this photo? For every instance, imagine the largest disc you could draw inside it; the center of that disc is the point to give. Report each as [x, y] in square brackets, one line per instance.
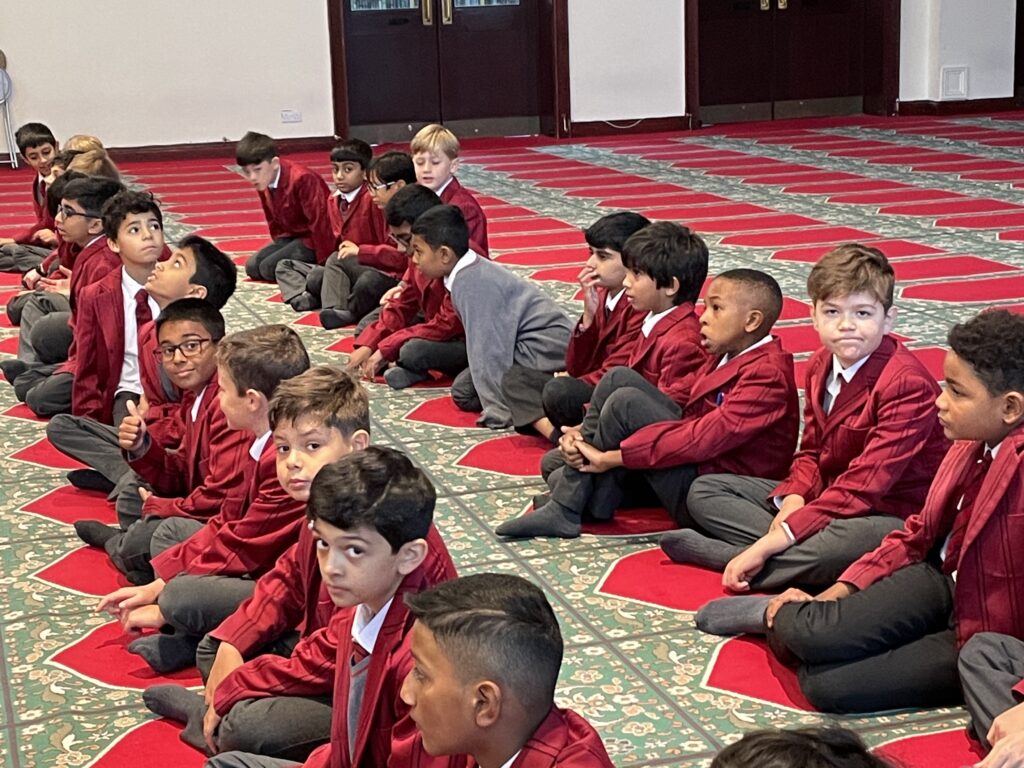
[487, 652]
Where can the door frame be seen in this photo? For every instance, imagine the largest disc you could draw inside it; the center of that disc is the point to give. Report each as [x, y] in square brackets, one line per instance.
[553, 45]
[881, 59]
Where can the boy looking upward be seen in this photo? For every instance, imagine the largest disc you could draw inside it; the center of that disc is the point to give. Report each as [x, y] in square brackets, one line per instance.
[530, 329]
[487, 651]
[294, 201]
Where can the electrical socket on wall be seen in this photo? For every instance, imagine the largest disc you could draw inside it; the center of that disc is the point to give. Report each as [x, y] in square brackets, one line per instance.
[291, 116]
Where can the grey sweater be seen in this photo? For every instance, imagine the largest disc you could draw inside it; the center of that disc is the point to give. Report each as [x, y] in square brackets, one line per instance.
[507, 320]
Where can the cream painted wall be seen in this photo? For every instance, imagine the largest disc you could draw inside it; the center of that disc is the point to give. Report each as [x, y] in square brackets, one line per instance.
[169, 72]
[626, 59]
[977, 34]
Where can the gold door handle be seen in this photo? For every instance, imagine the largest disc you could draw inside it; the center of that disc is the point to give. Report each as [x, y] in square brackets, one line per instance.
[447, 11]
[427, 12]
[766, 5]
[783, 5]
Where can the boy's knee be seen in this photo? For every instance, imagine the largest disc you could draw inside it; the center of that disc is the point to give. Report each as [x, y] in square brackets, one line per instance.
[824, 693]
[59, 426]
[981, 654]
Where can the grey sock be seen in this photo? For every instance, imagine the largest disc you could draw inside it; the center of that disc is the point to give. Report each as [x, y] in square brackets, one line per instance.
[688, 546]
[739, 615]
[166, 653]
[552, 520]
[177, 703]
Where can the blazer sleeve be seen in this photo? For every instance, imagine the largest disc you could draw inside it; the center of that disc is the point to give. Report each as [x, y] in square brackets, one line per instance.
[240, 546]
[276, 606]
[904, 423]
[309, 671]
[804, 476]
[86, 385]
[321, 233]
[755, 402]
[224, 481]
[906, 546]
[383, 257]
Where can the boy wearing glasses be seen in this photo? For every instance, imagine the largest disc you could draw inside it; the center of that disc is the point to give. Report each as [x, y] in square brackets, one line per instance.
[354, 219]
[204, 474]
[47, 389]
[356, 278]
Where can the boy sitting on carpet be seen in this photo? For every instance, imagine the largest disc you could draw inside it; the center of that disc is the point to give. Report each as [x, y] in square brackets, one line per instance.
[202, 580]
[371, 515]
[27, 249]
[604, 337]
[487, 651]
[319, 416]
[507, 319]
[886, 634]
[869, 450]
[742, 415]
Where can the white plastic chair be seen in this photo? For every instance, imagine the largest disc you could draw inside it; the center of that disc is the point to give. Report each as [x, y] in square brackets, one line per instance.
[5, 101]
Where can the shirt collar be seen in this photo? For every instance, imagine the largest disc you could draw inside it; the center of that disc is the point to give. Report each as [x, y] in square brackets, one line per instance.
[994, 450]
[613, 301]
[198, 403]
[652, 320]
[349, 196]
[366, 628]
[846, 373]
[508, 763]
[256, 449]
[444, 186]
[465, 261]
[277, 179]
[759, 343]
[129, 284]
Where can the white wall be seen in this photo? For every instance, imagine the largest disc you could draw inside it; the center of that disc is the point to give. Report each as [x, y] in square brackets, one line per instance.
[626, 59]
[977, 34]
[168, 72]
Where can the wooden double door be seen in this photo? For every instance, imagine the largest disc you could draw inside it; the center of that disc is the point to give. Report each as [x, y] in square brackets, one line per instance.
[471, 64]
[772, 59]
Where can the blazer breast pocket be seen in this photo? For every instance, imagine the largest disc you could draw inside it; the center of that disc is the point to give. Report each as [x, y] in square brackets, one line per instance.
[850, 440]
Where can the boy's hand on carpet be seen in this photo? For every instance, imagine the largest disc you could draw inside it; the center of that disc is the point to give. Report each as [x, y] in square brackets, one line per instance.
[373, 365]
[1008, 752]
[357, 358]
[789, 596]
[210, 722]
[597, 461]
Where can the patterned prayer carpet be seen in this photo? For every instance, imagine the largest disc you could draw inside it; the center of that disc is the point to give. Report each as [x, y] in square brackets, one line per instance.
[944, 198]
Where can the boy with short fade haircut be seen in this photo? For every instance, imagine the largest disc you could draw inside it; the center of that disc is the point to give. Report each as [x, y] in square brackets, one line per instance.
[531, 329]
[371, 518]
[192, 479]
[355, 281]
[113, 311]
[418, 331]
[603, 337]
[202, 580]
[294, 200]
[196, 269]
[435, 153]
[886, 634]
[354, 219]
[318, 417]
[487, 652]
[869, 450]
[28, 248]
[742, 416]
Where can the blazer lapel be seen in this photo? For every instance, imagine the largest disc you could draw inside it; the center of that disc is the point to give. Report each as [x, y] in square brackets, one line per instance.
[1002, 472]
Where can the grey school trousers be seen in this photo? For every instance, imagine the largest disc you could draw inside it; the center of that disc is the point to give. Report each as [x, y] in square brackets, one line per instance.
[990, 665]
[736, 509]
[19, 257]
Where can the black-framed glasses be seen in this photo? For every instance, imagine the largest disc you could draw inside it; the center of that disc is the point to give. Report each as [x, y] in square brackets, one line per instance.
[404, 239]
[188, 349]
[69, 213]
